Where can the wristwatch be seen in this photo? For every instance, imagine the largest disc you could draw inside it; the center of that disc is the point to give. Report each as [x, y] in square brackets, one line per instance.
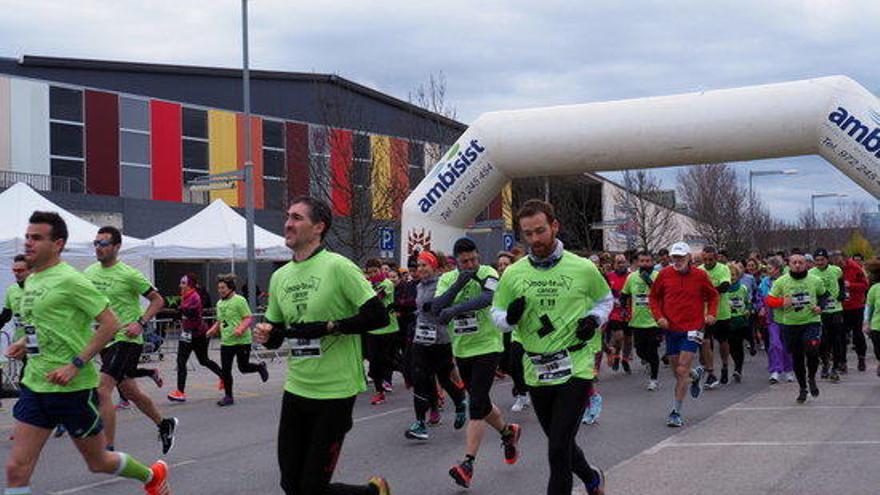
[79, 363]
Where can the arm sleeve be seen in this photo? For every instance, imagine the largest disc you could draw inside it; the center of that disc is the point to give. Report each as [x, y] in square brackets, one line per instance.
[499, 318]
[841, 289]
[484, 300]
[500, 300]
[276, 338]
[602, 308]
[712, 296]
[774, 302]
[869, 312]
[446, 293]
[370, 316]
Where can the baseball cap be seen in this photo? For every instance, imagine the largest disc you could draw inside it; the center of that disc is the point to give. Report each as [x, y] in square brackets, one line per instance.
[821, 252]
[680, 249]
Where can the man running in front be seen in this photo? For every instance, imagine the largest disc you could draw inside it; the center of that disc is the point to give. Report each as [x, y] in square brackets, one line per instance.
[60, 382]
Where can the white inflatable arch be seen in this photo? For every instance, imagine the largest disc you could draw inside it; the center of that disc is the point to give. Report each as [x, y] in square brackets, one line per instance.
[833, 117]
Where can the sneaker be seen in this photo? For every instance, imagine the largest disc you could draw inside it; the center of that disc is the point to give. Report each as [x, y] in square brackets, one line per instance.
[123, 405]
[724, 379]
[417, 431]
[834, 377]
[789, 377]
[774, 378]
[177, 396]
[521, 402]
[615, 363]
[652, 385]
[460, 415]
[861, 365]
[387, 386]
[158, 485]
[378, 398]
[737, 376]
[596, 486]
[753, 351]
[802, 396]
[626, 368]
[814, 389]
[157, 378]
[166, 434]
[59, 431]
[593, 412]
[226, 401]
[674, 420]
[711, 382]
[381, 485]
[434, 417]
[825, 373]
[509, 442]
[263, 370]
[696, 377]
[462, 473]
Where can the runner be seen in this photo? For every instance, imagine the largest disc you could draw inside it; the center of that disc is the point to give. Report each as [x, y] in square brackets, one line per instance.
[683, 302]
[871, 324]
[124, 286]
[856, 286]
[511, 363]
[833, 350]
[618, 322]
[193, 338]
[463, 301]
[555, 301]
[11, 309]
[778, 358]
[320, 303]
[662, 259]
[799, 297]
[642, 325]
[233, 323]
[740, 298]
[431, 353]
[719, 274]
[380, 344]
[60, 382]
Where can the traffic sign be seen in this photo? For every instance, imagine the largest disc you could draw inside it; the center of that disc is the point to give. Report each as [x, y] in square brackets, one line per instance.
[507, 241]
[386, 239]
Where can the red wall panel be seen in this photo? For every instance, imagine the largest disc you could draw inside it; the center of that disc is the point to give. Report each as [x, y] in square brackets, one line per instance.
[495, 208]
[102, 142]
[340, 171]
[399, 173]
[256, 158]
[297, 151]
[166, 149]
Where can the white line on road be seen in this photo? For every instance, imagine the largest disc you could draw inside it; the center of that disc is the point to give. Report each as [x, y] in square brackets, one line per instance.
[801, 408]
[108, 481]
[764, 444]
[386, 413]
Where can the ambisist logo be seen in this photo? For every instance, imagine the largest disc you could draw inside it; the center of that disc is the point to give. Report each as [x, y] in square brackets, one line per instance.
[448, 171]
[864, 135]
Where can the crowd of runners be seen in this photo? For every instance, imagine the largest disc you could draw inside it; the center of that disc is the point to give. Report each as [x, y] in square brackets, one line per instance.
[449, 324]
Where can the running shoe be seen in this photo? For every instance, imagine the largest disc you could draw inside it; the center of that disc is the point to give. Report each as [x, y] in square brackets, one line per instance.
[825, 373]
[226, 401]
[711, 382]
[509, 441]
[521, 402]
[696, 378]
[802, 396]
[177, 396]
[593, 411]
[381, 485]
[724, 378]
[615, 363]
[625, 365]
[774, 378]
[789, 377]
[814, 389]
[158, 485]
[861, 365]
[652, 385]
[834, 377]
[737, 376]
[378, 398]
[157, 378]
[59, 431]
[417, 431]
[166, 434]
[434, 417]
[674, 420]
[753, 351]
[386, 385]
[460, 415]
[596, 486]
[462, 473]
[123, 405]
[263, 370]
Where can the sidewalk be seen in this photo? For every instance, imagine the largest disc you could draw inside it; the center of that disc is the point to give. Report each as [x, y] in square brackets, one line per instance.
[768, 444]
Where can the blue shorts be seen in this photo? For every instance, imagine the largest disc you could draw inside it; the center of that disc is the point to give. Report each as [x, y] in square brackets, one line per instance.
[77, 411]
[678, 342]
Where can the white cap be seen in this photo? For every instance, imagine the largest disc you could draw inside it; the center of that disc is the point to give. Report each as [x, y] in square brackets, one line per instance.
[680, 249]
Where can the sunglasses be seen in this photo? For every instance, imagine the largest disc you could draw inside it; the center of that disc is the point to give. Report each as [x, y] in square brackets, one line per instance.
[103, 243]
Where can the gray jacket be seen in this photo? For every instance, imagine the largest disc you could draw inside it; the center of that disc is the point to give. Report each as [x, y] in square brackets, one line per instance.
[425, 293]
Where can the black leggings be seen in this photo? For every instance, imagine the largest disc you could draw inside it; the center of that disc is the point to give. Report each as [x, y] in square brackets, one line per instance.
[738, 333]
[478, 374]
[240, 353]
[428, 362]
[802, 341]
[833, 347]
[647, 343]
[852, 322]
[511, 363]
[559, 409]
[198, 346]
[380, 352]
[310, 436]
[875, 339]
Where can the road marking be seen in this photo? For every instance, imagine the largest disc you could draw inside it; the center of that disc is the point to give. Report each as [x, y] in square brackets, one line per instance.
[766, 444]
[386, 413]
[801, 408]
[110, 481]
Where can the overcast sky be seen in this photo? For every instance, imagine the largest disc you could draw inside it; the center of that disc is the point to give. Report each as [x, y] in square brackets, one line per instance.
[495, 54]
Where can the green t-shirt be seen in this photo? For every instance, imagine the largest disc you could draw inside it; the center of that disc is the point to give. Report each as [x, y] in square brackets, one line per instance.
[123, 286]
[719, 274]
[829, 276]
[804, 294]
[387, 287]
[13, 300]
[873, 300]
[636, 287]
[558, 296]
[59, 305]
[326, 286]
[472, 333]
[740, 301]
[230, 312]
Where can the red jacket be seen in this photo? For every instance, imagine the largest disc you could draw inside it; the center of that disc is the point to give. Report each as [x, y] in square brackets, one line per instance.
[616, 283]
[683, 299]
[854, 276]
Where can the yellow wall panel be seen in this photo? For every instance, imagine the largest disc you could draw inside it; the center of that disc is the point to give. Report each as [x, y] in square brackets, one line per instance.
[222, 151]
[380, 177]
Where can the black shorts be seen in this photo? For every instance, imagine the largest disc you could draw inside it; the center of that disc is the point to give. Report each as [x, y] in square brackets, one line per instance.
[77, 411]
[720, 331]
[478, 374]
[121, 359]
[620, 326]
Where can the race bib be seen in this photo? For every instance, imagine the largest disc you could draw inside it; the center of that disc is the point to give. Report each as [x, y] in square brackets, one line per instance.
[425, 334]
[32, 343]
[800, 301]
[696, 336]
[465, 323]
[552, 367]
[737, 304]
[640, 299]
[305, 348]
[186, 336]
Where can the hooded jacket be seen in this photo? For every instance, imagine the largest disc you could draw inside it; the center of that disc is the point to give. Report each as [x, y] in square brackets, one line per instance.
[683, 299]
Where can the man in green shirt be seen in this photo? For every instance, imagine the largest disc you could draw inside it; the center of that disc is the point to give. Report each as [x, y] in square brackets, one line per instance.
[462, 303]
[381, 344]
[833, 351]
[646, 334]
[798, 298]
[555, 301]
[719, 274]
[11, 310]
[321, 304]
[124, 286]
[871, 322]
[59, 387]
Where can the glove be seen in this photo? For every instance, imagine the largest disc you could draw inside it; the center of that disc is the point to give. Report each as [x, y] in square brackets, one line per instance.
[464, 276]
[445, 316]
[313, 330]
[426, 307]
[515, 310]
[587, 327]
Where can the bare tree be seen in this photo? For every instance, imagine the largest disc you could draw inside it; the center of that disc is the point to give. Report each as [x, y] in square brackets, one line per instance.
[578, 203]
[639, 199]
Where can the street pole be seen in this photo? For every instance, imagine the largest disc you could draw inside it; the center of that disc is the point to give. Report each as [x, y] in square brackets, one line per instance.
[248, 162]
[546, 189]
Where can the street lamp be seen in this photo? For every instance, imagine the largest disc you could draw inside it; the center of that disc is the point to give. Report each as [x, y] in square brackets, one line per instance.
[760, 173]
[821, 195]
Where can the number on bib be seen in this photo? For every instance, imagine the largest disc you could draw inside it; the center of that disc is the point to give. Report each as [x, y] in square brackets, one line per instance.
[425, 334]
[552, 367]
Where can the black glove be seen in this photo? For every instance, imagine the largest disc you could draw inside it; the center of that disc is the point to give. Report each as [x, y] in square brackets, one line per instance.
[515, 310]
[313, 330]
[426, 307]
[464, 276]
[587, 327]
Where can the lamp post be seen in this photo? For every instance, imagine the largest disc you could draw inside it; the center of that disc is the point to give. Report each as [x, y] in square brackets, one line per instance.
[248, 161]
[813, 198]
[761, 173]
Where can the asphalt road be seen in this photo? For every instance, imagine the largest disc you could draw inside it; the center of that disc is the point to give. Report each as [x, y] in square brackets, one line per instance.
[742, 435]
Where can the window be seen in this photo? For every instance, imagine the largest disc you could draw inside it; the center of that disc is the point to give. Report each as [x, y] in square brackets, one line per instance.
[195, 151]
[416, 164]
[135, 182]
[134, 148]
[67, 175]
[66, 139]
[274, 166]
[65, 104]
[195, 123]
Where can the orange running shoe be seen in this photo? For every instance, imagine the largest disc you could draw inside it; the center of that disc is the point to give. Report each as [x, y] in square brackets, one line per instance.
[159, 484]
[177, 396]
